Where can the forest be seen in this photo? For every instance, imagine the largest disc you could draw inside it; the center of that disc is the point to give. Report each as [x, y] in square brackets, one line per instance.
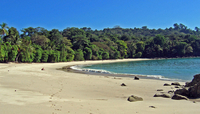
[78, 44]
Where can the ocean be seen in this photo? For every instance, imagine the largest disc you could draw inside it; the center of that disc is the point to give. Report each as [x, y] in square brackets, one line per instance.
[181, 69]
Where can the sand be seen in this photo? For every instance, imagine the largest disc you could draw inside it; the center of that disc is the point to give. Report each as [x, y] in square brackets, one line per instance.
[26, 89]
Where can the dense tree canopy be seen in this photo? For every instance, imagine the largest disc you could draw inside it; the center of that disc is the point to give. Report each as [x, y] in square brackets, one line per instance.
[41, 45]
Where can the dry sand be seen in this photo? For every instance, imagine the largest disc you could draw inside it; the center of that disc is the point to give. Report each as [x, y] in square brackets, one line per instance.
[26, 89]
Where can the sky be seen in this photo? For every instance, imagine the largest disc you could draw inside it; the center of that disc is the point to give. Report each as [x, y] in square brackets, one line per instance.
[99, 14]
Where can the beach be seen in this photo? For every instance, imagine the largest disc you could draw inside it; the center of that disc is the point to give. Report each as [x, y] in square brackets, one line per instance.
[26, 89]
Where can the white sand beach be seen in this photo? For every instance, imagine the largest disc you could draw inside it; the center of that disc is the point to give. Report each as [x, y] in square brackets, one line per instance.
[26, 89]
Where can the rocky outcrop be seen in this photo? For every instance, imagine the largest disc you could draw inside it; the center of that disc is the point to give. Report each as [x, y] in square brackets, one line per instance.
[133, 98]
[191, 89]
[184, 91]
[195, 80]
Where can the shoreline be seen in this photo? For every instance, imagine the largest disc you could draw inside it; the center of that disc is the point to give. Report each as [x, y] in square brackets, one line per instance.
[25, 88]
[78, 68]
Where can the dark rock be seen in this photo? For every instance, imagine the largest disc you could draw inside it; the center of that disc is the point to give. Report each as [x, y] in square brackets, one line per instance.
[184, 91]
[176, 83]
[195, 80]
[164, 95]
[191, 89]
[179, 97]
[159, 89]
[42, 69]
[136, 78]
[152, 106]
[166, 84]
[123, 84]
[194, 91]
[133, 98]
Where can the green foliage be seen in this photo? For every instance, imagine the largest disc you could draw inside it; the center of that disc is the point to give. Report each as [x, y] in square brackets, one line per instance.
[117, 55]
[54, 56]
[45, 56]
[40, 45]
[13, 53]
[140, 46]
[138, 55]
[70, 54]
[122, 48]
[79, 55]
[159, 40]
[38, 54]
[87, 53]
[105, 55]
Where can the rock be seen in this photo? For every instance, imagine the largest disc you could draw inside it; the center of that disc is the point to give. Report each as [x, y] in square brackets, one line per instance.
[133, 98]
[184, 91]
[191, 89]
[152, 106]
[179, 97]
[194, 91]
[164, 95]
[136, 78]
[171, 91]
[177, 86]
[123, 84]
[159, 89]
[176, 83]
[42, 69]
[166, 84]
[195, 80]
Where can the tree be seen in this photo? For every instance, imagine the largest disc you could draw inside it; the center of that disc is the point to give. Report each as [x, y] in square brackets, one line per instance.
[25, 51]
[80, 42]
[105, 55]
[87, 53]
[3, 30]
[13, 36]
[40, 40]
[79, 55]
[140, 46]
[55, 36]
[159, 40]
[122, 48]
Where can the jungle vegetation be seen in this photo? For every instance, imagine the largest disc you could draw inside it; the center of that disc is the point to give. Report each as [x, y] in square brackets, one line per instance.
[78, 44]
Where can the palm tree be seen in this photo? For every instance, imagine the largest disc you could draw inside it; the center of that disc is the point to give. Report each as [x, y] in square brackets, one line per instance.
[3, 30]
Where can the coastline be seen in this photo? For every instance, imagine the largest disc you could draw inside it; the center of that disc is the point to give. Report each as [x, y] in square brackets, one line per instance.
[25, 88]
[79, 68]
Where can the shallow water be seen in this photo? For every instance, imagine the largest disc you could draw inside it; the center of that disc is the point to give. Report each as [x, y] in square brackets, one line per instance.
[173, 69]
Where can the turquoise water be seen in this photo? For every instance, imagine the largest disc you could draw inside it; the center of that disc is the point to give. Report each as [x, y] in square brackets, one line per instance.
[181, 68]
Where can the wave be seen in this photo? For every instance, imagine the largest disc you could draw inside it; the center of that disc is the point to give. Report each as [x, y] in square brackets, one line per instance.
[160, 77]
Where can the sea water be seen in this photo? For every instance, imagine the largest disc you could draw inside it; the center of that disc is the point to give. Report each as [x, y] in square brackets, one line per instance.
[170, 69]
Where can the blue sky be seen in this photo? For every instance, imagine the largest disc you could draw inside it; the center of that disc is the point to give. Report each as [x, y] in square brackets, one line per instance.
[99, 14]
